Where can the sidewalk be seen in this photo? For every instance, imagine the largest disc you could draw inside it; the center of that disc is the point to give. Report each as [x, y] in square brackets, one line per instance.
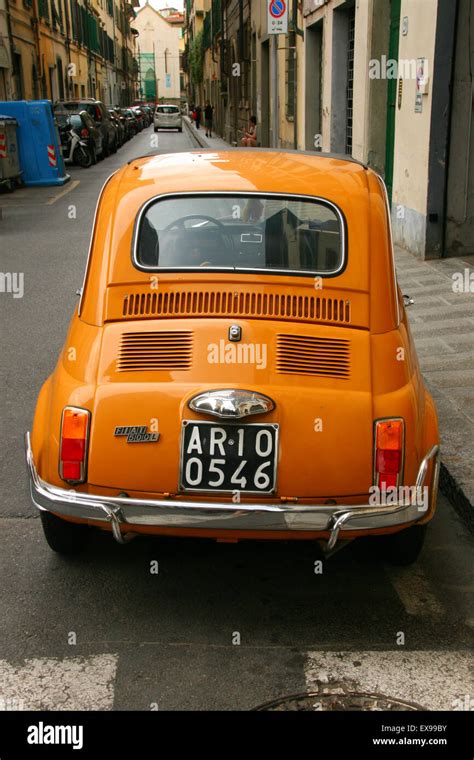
[442, 325]
[200, 136]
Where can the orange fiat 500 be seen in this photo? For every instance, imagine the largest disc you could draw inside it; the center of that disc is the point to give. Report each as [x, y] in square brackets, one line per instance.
[239, 365]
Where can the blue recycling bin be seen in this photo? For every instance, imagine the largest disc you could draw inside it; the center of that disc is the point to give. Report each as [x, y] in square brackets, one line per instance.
[41, 159]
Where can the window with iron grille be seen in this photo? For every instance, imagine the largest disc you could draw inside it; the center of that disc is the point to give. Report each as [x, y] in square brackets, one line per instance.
[290, 74]
[350, 82]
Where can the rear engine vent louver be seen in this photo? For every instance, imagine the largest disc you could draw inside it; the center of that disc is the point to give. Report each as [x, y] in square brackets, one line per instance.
[229, 303]
[166, 350]
[308, 355]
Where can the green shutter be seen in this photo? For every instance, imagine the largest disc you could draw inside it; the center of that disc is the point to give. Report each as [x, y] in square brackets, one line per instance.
[43, 8]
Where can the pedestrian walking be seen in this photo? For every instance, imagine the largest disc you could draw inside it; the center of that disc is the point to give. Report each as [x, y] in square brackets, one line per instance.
[208, 111]
[198, 116]
[249, 140]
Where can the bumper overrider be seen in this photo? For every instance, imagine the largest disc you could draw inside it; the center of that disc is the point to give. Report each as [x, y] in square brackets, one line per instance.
[123, 513]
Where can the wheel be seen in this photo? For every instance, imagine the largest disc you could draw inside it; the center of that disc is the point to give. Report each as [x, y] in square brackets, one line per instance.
[82, 157]
[180, 129]
[64, 537]
[401, 548]
[105, 149]
[114, 146]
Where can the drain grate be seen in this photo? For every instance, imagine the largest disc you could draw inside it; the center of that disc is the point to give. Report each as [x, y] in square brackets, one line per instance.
[316, 702]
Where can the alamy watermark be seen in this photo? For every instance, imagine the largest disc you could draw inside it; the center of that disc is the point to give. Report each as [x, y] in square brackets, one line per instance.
[391, 68]
[237, 353]
[12, 282]
[404, 495]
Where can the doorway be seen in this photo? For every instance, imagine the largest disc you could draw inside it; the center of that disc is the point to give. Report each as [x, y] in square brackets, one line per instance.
[313, 82]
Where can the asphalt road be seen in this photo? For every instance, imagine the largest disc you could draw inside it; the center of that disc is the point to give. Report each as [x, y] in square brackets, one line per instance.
[221, 625]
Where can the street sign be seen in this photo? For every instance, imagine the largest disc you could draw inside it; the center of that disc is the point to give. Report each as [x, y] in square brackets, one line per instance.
[277, 16]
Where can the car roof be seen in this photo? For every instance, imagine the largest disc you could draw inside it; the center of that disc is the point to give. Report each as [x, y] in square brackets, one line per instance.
[345, 182]
[244, 170]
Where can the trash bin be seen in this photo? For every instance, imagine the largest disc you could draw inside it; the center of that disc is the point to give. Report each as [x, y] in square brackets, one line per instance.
[41, 160]
[9, 157]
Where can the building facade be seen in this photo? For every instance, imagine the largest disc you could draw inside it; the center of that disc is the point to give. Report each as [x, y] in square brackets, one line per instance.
[160, 54]
[386, 81]
[60, 49]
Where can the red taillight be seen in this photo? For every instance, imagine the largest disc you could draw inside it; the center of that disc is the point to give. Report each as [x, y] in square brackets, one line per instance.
[73, 444]
[84, 132]
[388, 452]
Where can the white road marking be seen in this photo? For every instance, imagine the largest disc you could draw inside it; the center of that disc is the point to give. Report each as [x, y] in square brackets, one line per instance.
[70, 683]
[70, 186]
[414, 591]
[435, 680]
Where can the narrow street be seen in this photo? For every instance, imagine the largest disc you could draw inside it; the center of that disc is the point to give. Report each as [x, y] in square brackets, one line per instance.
[101, 631]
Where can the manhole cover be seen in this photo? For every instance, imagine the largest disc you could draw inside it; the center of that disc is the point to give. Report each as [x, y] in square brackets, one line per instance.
[314, 702]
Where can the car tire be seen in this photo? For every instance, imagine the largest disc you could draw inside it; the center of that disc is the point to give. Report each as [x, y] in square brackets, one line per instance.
[180, 129]
[113, 149]
[402, 548]
[105, 150]
[64, 537]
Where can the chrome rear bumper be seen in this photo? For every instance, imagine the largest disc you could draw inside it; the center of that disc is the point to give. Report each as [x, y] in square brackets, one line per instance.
[123, 512]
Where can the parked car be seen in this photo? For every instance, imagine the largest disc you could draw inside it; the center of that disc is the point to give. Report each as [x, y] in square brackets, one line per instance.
[132, 121]
[167, 117]
[123, 121]
[83, 126]
[149, 111]
[119, 128]
[140, 117]
[269, 389]
[100, 117]
[146, 112]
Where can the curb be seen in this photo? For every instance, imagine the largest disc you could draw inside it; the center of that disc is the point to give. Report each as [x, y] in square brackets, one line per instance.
[193, 132]
[449, 486]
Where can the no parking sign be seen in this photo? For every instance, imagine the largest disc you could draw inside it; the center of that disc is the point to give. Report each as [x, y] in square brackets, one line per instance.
[277, 16]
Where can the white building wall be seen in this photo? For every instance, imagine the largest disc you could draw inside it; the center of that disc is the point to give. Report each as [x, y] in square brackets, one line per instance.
[160, 37]
[412, 130]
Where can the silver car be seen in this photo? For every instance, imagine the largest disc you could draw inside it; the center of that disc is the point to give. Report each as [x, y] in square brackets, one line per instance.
[167, 117]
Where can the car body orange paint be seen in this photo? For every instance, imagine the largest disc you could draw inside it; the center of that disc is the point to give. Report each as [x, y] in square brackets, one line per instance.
[326, 423]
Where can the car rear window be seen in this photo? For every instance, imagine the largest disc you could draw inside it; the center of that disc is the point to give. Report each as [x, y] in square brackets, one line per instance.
[241, 232]
[167, 109]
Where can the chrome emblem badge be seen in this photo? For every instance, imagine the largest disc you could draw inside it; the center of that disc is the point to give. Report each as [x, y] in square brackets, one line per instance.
[231, 403]
[136, 434]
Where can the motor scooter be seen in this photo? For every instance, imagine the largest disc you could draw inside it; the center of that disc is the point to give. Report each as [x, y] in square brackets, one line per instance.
[75, 150]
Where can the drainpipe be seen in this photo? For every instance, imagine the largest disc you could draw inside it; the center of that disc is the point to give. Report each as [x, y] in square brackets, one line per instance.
[10, 39]
[295, 19]
[67, 43]
[39, 52]
[241, 31]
